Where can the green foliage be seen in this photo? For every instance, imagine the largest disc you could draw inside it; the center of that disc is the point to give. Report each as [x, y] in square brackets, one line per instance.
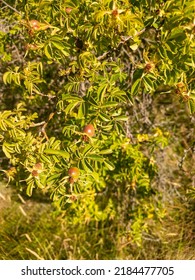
[88, 66]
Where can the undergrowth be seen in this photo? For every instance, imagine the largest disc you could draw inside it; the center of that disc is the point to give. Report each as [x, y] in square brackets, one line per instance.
[33, 230]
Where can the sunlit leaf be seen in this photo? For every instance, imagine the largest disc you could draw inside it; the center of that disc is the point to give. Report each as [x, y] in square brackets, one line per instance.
[57, 152]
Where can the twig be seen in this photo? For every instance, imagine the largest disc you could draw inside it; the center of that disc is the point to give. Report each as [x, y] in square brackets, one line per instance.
[42, 130]
[37, 124]
[12, 8]
[42, 94]
[103, 55]
[44, 126]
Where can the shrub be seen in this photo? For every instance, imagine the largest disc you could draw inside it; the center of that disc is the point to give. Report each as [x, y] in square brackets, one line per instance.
[83, 62]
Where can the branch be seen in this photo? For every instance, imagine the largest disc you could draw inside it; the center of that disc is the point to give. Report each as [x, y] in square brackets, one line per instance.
[46, 95]
[37, 124]
[103, 55]
[12, 8]
[42, 130]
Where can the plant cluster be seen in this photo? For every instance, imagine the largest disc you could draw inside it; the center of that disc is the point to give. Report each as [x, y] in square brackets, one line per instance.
[71, 76]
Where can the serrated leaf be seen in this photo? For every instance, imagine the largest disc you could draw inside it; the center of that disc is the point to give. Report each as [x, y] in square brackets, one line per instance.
[9, 123]
[17, 148]
[6, 150]
[107, 127]
[101, 91]
[70, 98]
[57, 152]
[86, 166]
[88, 148]
[81, 110]
[109, 165]
[148, 83]
[104, 117]
[162, 51]
[134, 47]
[48, 51]
[121, 118]
[7, 77]
[93, 102]
[135, 87]
[51, 141]
[191, 104]
[5, 114]
[95, 175]
[40, 68]
[2, 125]
[56, 145]
[30, 188]
[65, 53]
[53, 177]
[58, 45]
[105, 152]
[110, 104]
[96, 157]
[16, 78]
[116, 92]
[46, 159]
[71, 106]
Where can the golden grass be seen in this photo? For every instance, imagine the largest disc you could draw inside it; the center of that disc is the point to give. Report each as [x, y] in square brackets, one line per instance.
[30, 230]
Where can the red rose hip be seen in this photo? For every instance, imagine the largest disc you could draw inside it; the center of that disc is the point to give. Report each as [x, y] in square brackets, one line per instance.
[68, 10]
[73, 172]
[89, 130]
[34, 24]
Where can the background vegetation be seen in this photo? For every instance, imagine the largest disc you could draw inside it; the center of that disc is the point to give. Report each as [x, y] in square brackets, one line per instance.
[127, 69]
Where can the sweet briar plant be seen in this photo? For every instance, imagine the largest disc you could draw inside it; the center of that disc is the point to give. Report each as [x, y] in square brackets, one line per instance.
[72, 71]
